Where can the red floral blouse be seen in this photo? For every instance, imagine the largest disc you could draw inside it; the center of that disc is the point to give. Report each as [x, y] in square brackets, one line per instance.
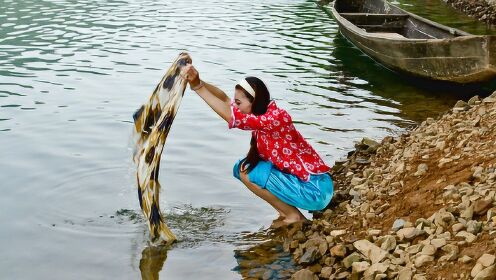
[279, 142]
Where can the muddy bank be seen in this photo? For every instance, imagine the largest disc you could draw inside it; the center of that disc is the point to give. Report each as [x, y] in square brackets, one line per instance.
[483, 10]
[418, 206]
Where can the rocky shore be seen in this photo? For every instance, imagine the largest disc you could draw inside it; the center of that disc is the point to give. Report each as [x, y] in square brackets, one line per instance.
[418, 206]
[484, 10]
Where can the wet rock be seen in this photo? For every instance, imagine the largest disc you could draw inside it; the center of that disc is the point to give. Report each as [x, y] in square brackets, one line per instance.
[304, 274]
[372, 145]
[310, 256]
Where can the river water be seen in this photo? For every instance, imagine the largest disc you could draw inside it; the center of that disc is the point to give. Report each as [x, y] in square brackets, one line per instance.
[73, 72]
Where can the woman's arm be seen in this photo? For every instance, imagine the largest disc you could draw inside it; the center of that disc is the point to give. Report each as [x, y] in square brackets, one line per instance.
[213, 96]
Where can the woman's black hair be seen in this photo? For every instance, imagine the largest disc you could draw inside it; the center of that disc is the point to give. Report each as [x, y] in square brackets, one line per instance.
[259, 105]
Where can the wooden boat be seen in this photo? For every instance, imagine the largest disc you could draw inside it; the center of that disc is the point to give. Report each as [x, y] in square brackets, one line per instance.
[408, 43]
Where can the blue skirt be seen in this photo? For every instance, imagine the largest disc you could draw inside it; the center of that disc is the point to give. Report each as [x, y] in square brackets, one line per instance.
[312, 195]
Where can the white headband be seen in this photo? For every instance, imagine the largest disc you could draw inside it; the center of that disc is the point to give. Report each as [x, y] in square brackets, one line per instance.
[246, 86]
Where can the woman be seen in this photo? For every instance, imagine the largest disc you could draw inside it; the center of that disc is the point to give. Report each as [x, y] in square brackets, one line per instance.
[280, 167]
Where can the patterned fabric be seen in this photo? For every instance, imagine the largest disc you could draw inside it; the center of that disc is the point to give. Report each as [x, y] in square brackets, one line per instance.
[152, 124]
[279, 142]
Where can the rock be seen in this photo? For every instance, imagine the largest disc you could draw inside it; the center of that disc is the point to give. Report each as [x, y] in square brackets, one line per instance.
[338, 251]
[268, 274]
[422, 260]
[443, 218]
[398, 224]
[472, 101]
[359, 267]
[343, 275]
[310, 256]
[372, 145]
[387, 242]
[370, 250]
[429, 250]
[326, 272]
[476, 269]
[481, 206]
[376, 268]
[349, 260]
[438, 242]
[457, 227]
[467, 235]
[338, 232]
[488, 273]
[374, 232]
[405, 274]
[421, 169]
[474, 226]
[452, 252]
[409, 233]
[460, 104]
[486, 260]
[467, 213]
[303, 274]
[465, 259]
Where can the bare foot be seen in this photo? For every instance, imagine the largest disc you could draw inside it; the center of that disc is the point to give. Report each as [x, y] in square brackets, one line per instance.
[294, 219]
[277, 223]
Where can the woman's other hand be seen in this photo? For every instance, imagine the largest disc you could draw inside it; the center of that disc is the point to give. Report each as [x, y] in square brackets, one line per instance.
[190, 74]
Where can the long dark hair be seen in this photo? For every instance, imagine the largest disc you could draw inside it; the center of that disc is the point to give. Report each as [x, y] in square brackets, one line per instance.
[259, 105]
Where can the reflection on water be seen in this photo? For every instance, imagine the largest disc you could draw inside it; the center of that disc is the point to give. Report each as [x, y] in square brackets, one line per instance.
[73, 73]
[152, 261]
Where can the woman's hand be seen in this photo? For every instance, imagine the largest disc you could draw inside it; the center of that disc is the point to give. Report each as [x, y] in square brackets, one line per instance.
[190, 74]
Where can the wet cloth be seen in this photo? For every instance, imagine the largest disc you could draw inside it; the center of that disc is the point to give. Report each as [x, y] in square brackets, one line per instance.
[152, 123]
[279, 142]
[314, 194]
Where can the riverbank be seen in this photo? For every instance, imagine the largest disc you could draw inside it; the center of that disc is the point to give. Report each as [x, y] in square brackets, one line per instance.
[418, 206]
[483, 10]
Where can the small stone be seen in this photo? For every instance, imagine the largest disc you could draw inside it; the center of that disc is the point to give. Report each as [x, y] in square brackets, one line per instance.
[326, 272]
[374, 269]
[343, 275]
[339, 232]
[421, 169]
[409, 233]
[405, 274]
[387, 242]
[465, 259]
[310, 256]
[422, 260]
[443, 218]
[469, 237]
[358, 267]
[474, 226]
[481, 206]
[370, 250]
[349, 260]
[452, 252]
[457, 227]
[303, 274]
[476, 269]
[429, 250]
[338, 251]
[486, 260]
[488, 273]
[398, 224]
[438, 242]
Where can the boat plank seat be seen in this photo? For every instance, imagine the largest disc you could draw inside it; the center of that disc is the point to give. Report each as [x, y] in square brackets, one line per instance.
[389, 35]
[374, 19]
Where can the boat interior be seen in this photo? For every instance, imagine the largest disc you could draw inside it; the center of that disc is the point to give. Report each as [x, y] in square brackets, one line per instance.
[377, 16]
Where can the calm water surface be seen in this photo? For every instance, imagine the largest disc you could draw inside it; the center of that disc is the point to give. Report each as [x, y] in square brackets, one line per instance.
[73, 72]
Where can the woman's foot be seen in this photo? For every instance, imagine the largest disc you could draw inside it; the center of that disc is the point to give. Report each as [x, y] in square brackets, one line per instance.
[294, 219]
